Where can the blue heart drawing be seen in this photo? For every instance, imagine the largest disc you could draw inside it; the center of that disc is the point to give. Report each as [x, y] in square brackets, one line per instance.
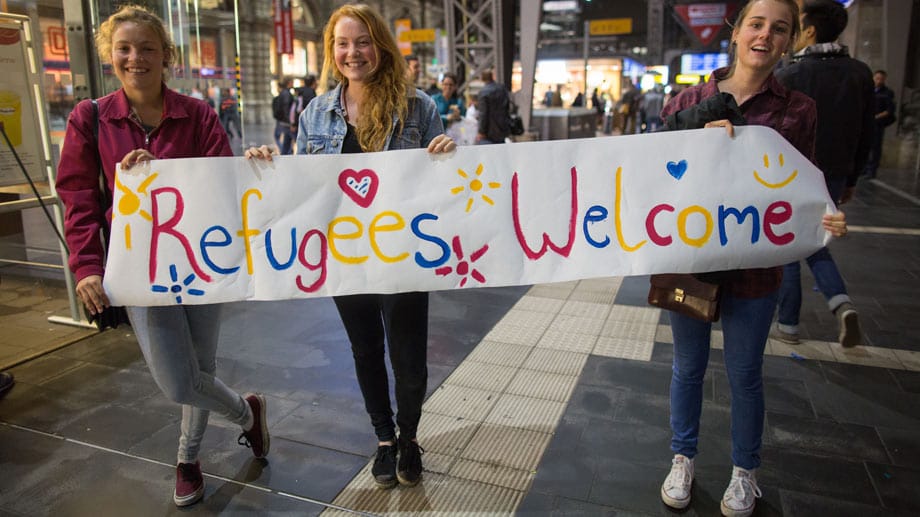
[678, 169]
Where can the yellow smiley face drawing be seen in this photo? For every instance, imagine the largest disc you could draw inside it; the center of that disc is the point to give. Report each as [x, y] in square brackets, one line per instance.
[781, 184]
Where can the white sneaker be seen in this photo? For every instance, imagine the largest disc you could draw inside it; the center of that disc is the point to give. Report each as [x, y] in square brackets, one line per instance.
[675, 492]
[741, 494]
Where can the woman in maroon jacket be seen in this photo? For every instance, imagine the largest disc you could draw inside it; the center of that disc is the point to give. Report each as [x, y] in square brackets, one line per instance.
[142, 121]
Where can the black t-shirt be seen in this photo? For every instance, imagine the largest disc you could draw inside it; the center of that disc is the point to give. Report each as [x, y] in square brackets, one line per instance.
[350, 145]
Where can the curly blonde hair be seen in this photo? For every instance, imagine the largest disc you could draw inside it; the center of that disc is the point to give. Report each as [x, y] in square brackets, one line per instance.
[387, 87]
[141, 16]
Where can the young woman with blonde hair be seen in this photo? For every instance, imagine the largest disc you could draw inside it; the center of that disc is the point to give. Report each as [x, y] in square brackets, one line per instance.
[374, 108]
[145, 120]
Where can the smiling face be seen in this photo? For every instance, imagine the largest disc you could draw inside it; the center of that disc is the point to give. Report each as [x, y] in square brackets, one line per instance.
[138, 57]
[355, 53]
[763, 35]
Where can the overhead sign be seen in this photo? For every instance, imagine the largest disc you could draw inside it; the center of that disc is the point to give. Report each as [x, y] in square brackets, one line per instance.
[706, 20]
[284, 27]
[417, 36]
[702, 63]
[400, 26]
[610, 26]
[18, 116]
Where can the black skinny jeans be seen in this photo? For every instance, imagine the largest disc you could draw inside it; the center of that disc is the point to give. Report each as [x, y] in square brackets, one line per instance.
[401, 319]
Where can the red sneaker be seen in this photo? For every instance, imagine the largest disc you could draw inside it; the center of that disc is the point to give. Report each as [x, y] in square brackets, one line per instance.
[189, 484]
[256, 438]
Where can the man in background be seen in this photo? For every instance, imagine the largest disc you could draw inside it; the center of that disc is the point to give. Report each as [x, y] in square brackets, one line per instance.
[884, 117]
[281, 109]
[413, 69]
[493, 107]
[842, 89]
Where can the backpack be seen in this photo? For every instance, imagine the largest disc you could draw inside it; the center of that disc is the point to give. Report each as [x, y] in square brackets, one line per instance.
[296, 108]
[278, 109]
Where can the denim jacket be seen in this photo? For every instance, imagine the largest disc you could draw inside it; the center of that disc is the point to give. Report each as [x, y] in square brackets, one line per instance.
[322, 125]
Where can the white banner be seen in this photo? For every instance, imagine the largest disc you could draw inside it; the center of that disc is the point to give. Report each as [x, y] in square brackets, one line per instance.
[210, 230]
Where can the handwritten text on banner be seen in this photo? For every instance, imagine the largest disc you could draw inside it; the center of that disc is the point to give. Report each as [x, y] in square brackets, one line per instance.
[210, 230]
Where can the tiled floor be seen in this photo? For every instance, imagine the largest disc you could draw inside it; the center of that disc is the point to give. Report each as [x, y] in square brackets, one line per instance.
[544, 400]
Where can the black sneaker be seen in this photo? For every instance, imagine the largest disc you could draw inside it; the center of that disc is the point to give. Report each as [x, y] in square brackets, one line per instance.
[384, 469]
[6, 383]
[409, 471]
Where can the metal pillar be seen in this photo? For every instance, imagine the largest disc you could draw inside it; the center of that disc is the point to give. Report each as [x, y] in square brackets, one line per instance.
[530, 28]
[80, 16]
[474, 33]
[655, 30]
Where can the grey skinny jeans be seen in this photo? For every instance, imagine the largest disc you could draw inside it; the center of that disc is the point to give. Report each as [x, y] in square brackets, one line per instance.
[179, 343]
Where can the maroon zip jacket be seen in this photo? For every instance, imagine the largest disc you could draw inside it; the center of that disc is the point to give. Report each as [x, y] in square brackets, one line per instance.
[189, 129]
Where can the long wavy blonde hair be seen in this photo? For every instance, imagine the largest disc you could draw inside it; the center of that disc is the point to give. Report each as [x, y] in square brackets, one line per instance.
[386, 86]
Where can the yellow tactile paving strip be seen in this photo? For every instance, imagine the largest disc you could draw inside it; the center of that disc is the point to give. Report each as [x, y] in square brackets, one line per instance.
[485, 429]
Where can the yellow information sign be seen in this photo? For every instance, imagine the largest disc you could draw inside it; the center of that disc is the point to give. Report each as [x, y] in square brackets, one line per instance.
[610, 26]
[417, 36]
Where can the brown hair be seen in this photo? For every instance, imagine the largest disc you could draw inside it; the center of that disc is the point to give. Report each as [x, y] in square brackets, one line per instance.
[140, 16]
[387, 85]
[793, 6]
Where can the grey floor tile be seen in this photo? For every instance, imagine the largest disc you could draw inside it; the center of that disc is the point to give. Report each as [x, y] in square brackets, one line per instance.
[115, 426]
[632, 443]
[810, 505]
[642, 408]
[574, 507]
[308, 471]
[637, 376]
[42, 409]
[598, 402]
[897, 486]
[536, 504]
[820, 475]
[882, 407]
[903, 446]
[907, 380]
[824, 437]
[337, 425]
[562, 473]
[630, 486]
[781, 367]
[853, 377]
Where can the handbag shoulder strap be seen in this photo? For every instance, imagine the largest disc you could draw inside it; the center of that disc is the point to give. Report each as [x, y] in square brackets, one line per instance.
[104, 185]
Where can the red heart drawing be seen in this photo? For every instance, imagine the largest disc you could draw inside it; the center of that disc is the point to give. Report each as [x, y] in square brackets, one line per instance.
[360, 186]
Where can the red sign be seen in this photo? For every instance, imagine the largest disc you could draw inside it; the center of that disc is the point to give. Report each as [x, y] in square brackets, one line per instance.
[706, 20]
[284, 27]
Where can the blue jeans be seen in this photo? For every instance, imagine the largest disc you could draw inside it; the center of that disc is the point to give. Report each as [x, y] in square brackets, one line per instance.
[824, 269]
[179, 343]
[284, 137]
[745, 327]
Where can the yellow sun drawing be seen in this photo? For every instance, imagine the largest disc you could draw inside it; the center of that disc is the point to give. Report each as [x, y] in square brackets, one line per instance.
[766, 164]
[130, 203]
[475, 186]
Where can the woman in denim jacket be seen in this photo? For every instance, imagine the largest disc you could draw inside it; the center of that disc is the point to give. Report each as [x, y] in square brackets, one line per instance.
[373, 108]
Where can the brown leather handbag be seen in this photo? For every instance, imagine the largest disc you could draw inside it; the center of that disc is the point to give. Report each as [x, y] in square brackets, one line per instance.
[685, 294]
